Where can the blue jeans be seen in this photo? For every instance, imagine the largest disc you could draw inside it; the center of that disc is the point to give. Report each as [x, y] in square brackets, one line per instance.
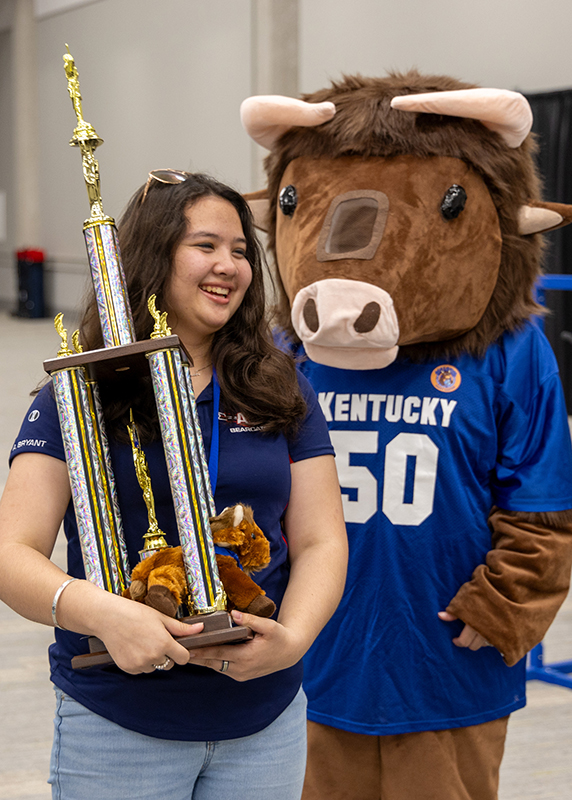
[95, 759]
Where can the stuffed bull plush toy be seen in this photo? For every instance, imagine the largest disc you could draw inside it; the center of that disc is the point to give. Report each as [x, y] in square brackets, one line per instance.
[404, 216]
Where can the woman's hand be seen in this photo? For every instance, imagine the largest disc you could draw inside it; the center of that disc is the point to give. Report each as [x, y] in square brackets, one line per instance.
[274, 647]
[136, 636]
[139, 637]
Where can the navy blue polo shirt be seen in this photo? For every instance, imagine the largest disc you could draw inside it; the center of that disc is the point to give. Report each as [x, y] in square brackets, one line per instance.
[188, 703]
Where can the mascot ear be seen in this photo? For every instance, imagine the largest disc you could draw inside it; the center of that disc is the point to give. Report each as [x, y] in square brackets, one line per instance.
[260, 206]
[542, 217]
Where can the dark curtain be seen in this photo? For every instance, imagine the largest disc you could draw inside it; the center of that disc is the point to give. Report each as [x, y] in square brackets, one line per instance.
[553, 126]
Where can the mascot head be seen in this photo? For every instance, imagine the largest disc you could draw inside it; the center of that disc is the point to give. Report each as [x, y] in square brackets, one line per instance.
[403, 215]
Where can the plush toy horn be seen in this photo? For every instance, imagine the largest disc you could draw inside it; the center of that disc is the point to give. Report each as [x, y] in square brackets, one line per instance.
[266, 117]
[238, 515]
[507, 113]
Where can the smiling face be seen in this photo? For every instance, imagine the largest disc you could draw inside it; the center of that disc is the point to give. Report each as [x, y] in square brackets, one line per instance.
[210, 273]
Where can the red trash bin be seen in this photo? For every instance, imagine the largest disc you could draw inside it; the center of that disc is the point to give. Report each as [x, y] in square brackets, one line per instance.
[30, 283]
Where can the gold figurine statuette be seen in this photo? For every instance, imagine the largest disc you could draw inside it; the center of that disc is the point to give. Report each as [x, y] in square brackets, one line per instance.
[161, 328]
[65, 350]
[154, 538]
[85, 137]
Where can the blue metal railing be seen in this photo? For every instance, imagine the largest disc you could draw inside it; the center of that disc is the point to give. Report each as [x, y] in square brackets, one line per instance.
[536, 669]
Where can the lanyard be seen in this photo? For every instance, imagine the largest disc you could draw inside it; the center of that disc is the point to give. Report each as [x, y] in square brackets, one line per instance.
[213, 459]
[213, 455]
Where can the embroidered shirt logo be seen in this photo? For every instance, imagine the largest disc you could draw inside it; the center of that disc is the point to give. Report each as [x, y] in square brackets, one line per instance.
[33, 415]
[446, 378]
[242, 425]
[28, 443]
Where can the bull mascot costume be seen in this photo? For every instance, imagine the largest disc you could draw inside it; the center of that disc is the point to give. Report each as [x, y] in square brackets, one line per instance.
[404, 215]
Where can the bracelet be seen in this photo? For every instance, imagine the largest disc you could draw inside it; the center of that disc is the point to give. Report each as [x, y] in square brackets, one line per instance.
[55, 602]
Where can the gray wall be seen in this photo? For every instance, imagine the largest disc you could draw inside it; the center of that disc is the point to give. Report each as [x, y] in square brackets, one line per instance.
[149, 74]
[6, 178]
[522, 44]
[162, 83]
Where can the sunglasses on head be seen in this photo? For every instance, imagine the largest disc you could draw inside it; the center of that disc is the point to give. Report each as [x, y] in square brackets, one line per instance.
[164, 176]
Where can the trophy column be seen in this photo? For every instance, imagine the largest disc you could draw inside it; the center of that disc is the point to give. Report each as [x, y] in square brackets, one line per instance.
[75, 380]
[188, 474]
[109, 282]
[91, 477]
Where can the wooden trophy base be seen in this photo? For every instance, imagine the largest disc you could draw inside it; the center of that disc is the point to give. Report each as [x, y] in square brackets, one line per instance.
[218, 629]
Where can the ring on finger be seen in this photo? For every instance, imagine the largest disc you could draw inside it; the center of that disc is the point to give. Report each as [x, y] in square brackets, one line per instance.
[165, 665]
[224, 666]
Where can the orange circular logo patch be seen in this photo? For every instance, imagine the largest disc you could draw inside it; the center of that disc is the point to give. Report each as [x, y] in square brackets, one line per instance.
[446, 378]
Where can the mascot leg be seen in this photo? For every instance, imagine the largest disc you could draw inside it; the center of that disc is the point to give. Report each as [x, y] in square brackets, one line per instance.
[243, 593]
[450, 765]
[136, 590]
[341, 765]
[164, 589]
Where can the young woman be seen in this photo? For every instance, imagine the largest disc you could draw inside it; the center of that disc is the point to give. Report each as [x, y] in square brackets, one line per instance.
[224, 721]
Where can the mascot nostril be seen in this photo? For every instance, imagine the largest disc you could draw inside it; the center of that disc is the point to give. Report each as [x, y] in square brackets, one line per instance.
[311, 315]
[368, 318]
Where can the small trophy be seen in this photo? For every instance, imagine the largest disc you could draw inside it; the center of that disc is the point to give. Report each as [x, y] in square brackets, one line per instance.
[154, 538]
[75, 377]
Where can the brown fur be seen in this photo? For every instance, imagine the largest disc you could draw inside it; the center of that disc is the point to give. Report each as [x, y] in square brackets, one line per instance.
[365, 125]
[246, 539]
[160, 580]
[513, 597]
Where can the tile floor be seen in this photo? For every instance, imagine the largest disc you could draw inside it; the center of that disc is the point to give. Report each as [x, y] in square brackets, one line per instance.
[538, 760]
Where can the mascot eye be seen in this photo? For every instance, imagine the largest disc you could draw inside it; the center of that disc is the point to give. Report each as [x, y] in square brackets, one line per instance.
[453, 202]
[288, 200]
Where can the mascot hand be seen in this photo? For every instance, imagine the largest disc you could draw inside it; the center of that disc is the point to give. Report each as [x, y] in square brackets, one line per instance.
[468, 636]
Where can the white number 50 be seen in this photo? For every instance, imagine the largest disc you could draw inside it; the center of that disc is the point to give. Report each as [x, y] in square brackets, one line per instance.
[399, 512]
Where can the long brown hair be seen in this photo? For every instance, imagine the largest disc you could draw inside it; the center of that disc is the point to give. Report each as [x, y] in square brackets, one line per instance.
[256, 378]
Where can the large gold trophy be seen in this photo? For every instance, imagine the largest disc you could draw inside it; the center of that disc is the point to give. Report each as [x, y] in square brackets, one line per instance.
[75, 377]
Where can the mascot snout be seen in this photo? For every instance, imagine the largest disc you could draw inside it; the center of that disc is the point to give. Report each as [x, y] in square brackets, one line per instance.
[347, 324]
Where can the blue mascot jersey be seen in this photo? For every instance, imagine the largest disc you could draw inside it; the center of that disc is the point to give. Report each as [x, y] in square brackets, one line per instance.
[423, 452]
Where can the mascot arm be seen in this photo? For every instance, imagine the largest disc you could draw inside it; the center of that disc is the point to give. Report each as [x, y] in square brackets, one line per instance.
[513, 597]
